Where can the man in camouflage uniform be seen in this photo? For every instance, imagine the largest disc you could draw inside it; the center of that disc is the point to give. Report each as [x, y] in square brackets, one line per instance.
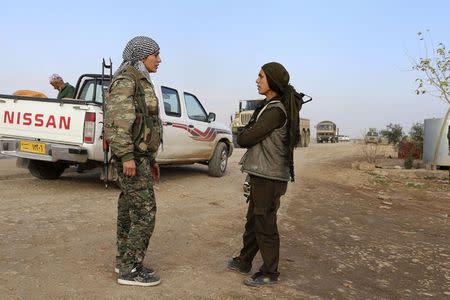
[133, 130]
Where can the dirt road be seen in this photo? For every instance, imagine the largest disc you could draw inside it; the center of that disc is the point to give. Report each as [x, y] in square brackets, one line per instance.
[345, 234]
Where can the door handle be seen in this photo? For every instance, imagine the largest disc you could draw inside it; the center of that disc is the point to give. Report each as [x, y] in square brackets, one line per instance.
[169, 123]
[191, 126]
[81, 107]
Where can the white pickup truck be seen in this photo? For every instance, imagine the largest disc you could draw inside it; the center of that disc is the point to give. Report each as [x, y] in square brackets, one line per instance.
[49, 135]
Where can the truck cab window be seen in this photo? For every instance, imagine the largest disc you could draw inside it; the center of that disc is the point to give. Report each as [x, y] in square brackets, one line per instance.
[87, 92]
[171, 102]
[194, 109]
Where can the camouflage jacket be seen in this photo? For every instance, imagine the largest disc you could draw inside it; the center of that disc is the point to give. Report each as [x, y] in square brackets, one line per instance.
[132, 122]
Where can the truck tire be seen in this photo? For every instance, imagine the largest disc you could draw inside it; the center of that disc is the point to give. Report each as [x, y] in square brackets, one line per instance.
[218, 163]
[45, 169]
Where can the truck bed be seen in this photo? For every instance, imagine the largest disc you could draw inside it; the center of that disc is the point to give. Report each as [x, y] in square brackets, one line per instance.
[43, 119]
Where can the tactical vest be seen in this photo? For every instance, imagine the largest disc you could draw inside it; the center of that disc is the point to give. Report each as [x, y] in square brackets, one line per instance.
[147, 129]
[269, 158]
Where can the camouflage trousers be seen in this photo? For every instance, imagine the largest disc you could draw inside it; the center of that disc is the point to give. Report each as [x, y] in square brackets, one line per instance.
[136, 215]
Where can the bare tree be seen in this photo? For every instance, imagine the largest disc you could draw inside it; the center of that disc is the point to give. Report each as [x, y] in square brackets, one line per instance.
[435, 80]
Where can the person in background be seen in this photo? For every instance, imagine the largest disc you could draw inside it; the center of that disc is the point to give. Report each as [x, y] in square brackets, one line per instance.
[65, 89]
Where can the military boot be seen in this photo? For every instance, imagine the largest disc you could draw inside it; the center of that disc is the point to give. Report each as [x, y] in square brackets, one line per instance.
[235, 264]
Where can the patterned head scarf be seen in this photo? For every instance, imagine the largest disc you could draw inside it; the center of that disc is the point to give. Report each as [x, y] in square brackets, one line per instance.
[136, 50]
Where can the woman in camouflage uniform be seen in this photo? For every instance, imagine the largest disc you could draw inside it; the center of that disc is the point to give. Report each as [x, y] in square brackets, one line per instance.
[133, 130]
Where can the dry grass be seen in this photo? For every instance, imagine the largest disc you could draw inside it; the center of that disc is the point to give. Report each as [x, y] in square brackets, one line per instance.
[372, 151]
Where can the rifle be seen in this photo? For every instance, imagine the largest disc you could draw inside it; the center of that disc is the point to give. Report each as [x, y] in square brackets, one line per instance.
[105, 142]
[300, 97]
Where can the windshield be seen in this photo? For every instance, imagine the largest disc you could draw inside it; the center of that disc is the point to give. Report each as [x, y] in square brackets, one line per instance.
[249, 104]
[325, 127]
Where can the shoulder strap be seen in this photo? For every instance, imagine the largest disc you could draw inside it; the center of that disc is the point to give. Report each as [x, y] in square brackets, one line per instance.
[275, 103]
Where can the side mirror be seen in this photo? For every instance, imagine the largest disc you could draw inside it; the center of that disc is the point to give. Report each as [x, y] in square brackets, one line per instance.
[211, 117]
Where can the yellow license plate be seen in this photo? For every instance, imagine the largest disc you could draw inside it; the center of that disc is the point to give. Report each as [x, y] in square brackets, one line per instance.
[33, 147]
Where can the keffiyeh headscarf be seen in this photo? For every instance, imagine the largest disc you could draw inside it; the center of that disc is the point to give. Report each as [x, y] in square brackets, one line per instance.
[136, 50]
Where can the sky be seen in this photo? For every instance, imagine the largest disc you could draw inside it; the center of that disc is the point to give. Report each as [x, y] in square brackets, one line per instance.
[353, 57]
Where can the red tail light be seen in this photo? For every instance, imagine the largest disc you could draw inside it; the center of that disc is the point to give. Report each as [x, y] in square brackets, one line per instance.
[89, 127]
